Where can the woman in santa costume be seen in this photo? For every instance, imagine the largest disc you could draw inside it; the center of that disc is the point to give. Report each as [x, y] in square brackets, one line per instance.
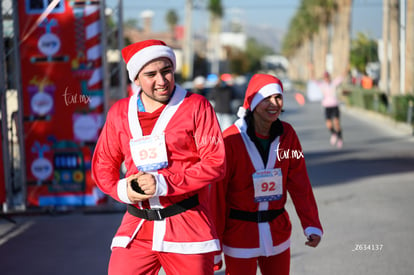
[264, 162]
[172, 147]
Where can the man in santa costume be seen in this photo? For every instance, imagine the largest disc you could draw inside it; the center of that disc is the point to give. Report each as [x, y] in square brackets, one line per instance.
[264, 162]
[171, 144]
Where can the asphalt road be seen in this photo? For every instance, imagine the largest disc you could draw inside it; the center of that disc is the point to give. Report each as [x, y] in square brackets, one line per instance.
[364, 193]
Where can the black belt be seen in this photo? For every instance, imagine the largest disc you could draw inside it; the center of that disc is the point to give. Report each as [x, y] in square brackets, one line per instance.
[162, 213]
[259, 216]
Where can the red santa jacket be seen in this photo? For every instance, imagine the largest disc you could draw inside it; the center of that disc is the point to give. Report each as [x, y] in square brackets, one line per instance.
[245, 239]
[195, 151]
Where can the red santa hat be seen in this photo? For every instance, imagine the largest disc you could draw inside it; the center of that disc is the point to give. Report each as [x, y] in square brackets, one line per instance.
[260, 87]
[137, 55]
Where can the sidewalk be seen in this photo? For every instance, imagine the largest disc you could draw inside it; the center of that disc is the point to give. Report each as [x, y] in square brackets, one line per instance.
[379, 119]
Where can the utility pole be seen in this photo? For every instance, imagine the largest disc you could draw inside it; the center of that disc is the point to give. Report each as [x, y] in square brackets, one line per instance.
[402, 44]
[385, 65]
[395, 47]
[105, 66]
[122, 69]
[409, 53]
[188, 42]
[21, 203]
[4, 118]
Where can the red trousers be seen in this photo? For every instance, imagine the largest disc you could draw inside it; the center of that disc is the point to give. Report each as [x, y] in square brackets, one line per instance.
[273, 265]
[139, 259]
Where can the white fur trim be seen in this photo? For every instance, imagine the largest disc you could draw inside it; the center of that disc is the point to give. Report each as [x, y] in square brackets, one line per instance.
[133, 121]
[246, 253]
[135, 88]
[122, 191]
[241, 112]
[142, 57]
[120, 241]
[254, 154]
[218, 259]
[165, 117]
[191, 247]
[158, 233]
[174, 247]
[162, 186]
[265, 91]
[123, 241]
[313, 230]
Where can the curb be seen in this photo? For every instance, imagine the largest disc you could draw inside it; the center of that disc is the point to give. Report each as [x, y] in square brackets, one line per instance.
[382, 120]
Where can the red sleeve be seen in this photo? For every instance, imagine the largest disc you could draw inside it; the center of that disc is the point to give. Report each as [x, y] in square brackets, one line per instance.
[218, 202]
[299, 186]
[107, 158]
[209, 151]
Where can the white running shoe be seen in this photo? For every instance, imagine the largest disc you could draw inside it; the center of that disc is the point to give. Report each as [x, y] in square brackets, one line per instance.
[334, 139]
[339, 143]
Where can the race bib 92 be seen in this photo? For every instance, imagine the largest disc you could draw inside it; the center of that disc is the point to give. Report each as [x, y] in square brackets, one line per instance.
[268, 185]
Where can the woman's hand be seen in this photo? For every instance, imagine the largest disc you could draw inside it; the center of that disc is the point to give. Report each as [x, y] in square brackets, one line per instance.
[313, 240]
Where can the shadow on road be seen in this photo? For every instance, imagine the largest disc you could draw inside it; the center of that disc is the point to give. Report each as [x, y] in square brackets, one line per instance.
[338, 167]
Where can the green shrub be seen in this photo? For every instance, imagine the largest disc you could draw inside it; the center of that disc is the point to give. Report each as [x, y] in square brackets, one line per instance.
[400, 106]
[376, 100]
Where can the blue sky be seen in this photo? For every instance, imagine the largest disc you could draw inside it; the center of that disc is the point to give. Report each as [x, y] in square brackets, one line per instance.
[366, 14]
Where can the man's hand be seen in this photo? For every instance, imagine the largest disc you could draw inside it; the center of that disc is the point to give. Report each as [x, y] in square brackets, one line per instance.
[313, 240]
[147, 184]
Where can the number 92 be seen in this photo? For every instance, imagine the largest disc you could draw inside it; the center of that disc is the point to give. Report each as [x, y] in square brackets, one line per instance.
[268, 186]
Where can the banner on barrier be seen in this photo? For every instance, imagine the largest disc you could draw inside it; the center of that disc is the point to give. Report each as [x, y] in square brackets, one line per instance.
[63, 100]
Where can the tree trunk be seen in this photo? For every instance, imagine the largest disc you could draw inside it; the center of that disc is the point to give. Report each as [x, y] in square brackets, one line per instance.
[341, 42]
[293, 67]
[395, 46]
[214, 44]
[309, 59]
[321, 50]
[297, 63]
[302, 61]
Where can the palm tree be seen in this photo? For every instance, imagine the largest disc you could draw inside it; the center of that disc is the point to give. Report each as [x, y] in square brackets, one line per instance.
[309, 32]
[172, 19]
[341, 36]
[363, 50]
[298, 43]
[216, 14]
[323, 11]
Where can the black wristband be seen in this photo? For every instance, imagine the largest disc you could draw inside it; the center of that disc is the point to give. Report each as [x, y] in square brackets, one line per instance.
[135, 187]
